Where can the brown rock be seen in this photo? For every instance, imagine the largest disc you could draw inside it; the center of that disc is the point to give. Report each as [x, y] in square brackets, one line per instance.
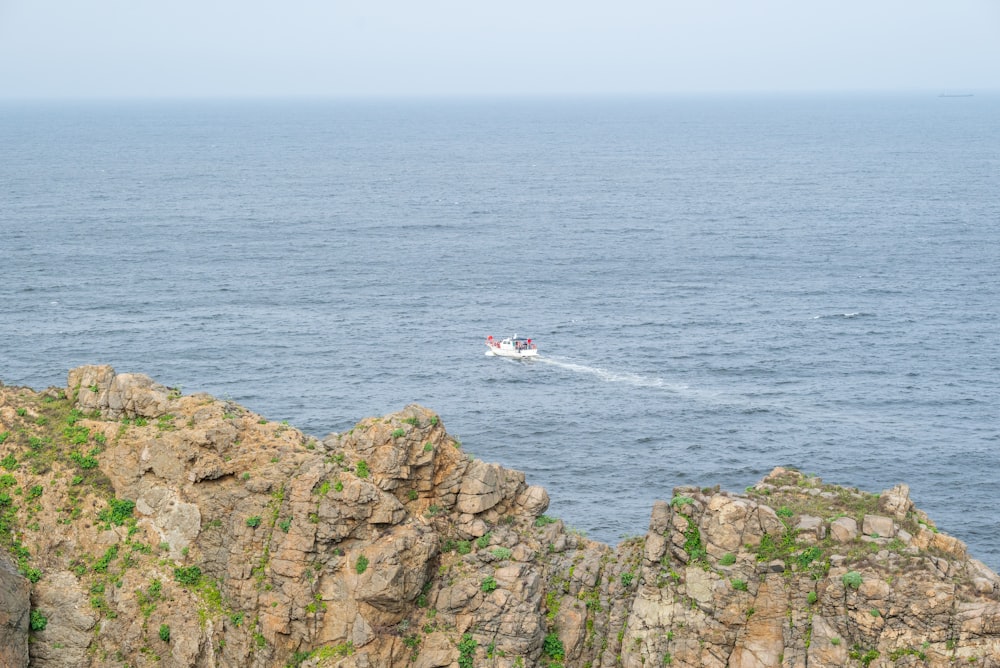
[15, 607]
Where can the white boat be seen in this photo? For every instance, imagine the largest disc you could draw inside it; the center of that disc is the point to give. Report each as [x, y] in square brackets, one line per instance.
[512, 346]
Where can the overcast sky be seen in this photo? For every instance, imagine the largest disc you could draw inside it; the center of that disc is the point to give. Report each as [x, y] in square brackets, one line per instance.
[223, 48]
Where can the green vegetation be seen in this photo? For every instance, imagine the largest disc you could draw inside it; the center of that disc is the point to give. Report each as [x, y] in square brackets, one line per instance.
[164, 633]
[38, 620]
[489, 585]
[728, 559]
[118, 512]
[859, 653]
[692, 542]
[253, 522]
[501, 552]
[466, 651]
[398, 433]
[897, 654]
[553, 647]
[362, 469]
[361, 565]
[852, 579]
[188, 575]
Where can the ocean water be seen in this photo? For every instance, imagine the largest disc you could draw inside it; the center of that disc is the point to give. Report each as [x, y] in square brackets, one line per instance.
[717, 285]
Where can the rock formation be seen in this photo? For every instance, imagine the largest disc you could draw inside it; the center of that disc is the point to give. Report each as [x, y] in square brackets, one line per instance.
[154, 528]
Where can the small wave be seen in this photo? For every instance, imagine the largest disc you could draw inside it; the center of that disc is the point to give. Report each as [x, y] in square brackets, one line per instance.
[851, 314]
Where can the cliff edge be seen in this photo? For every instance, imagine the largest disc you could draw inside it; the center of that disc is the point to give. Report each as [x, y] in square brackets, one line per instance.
[143, 527]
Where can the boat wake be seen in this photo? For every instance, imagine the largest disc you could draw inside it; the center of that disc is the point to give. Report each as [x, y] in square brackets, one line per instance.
[605, 374]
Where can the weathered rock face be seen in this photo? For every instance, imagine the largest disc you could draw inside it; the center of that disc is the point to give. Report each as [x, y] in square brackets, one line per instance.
[15, 605]
[161, 529]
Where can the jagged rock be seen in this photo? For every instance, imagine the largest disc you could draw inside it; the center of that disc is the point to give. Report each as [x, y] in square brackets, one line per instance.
[15, 606]
[67, 634]
[252, 544]
[896, 501]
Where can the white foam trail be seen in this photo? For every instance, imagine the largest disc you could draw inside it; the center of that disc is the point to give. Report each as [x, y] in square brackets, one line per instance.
[705, 396]
[604, 374]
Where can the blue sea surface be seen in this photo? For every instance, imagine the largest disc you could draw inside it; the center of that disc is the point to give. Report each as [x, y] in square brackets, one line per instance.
[718, 285]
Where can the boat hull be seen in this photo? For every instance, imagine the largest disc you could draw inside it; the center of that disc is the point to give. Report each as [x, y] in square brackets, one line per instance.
[517, 354]
[513, 347]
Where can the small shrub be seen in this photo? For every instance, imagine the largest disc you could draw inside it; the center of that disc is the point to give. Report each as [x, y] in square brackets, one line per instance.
[553, 647]
[489, 584]
[807, 556]
[728, 559]
[118, 512]
[362, 469]
[679, 501]
[285, 525]
[784, 511]
[361, 565]
[812, 598]
[9, 462]
[738, 584]
[466, 651]
[852, 579]
[164, 633]
[398, 433]
[463, 547]
[627, 579]
[83, 461]
[188, 575]
[483, 541]
[253, 522]
[38, 620]
[501, 552]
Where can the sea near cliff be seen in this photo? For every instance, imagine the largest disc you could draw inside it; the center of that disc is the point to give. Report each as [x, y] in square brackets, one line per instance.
[718, 285]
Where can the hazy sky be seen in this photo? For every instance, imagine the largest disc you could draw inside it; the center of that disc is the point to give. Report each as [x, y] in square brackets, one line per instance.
[115, 48]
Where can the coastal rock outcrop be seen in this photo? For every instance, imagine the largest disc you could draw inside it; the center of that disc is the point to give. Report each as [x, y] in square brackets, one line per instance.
[15, 606]
[155, 528]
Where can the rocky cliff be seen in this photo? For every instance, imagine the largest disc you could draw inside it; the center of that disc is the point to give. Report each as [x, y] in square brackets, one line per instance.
[143, 527]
